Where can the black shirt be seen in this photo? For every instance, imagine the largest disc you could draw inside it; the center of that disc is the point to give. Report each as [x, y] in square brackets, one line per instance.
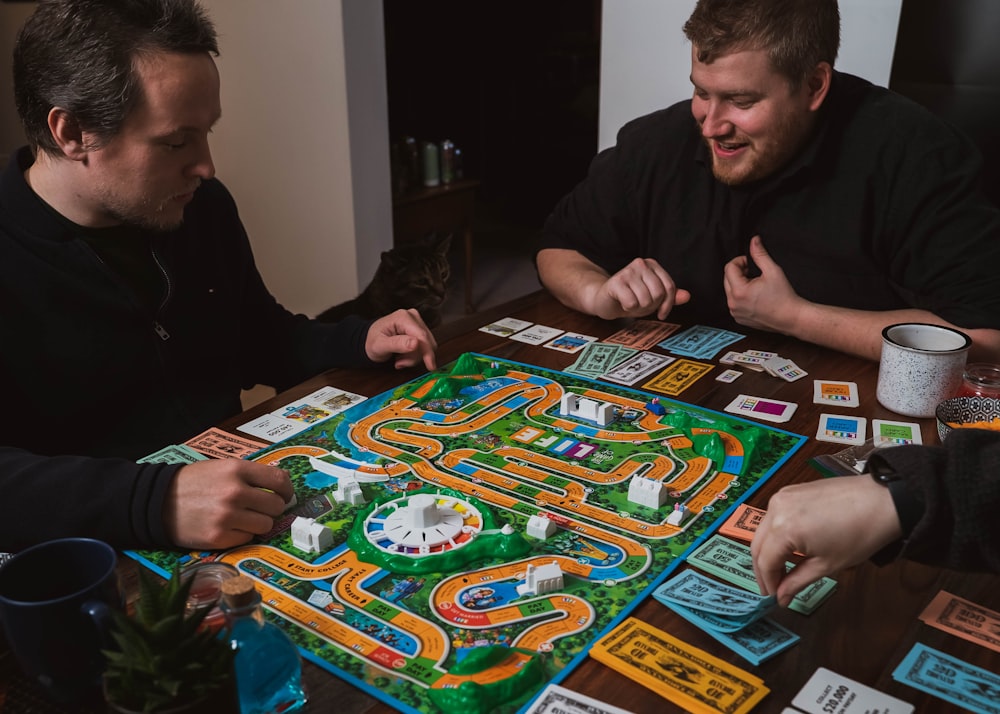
[112, 351]
[881, 210]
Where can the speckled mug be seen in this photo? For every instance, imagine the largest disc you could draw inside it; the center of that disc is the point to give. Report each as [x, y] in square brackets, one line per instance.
[921, 366]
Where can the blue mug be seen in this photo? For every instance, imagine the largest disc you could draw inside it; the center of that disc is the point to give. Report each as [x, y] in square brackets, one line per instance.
[55, 608]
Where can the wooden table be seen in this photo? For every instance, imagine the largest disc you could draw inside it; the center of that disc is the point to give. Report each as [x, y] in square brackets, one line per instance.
[861, 632]
[448, 208]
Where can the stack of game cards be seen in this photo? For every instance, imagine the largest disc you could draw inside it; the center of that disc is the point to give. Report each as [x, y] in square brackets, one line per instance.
[770, 362]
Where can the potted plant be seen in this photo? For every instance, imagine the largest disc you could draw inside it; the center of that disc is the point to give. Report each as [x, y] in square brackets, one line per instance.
[165, 662]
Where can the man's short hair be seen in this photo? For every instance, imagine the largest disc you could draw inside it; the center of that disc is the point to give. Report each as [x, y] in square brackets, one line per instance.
[797, 34]
[81, 56]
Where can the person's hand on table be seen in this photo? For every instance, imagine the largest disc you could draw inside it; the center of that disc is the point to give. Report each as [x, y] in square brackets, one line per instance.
[402, 336]
[639, 289]
[835, 523]
[223, 503]
[767, 302]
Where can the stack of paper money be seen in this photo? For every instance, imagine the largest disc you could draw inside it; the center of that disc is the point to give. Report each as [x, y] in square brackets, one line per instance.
[689, 677]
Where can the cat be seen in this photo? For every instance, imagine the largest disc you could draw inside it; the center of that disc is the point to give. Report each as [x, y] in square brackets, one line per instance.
[413, 274]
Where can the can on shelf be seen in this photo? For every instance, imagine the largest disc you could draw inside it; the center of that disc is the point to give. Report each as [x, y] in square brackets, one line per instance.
[981, 379]
[447, 162]
[432, 165]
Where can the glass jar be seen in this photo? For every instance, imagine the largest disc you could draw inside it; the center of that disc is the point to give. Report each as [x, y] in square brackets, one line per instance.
[206, 591]
[981, 379]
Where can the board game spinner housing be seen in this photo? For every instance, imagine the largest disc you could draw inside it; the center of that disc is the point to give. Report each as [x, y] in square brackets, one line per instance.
[479, 527]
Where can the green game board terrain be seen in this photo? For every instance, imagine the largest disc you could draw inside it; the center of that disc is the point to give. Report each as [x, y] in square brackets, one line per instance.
[765, 449]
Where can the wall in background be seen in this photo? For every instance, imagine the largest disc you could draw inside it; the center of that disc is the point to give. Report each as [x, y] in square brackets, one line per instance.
[12, 15]
[646, 59]
[303, 141]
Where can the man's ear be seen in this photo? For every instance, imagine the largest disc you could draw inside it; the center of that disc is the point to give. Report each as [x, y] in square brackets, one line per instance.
[67, 134]
[818, 85]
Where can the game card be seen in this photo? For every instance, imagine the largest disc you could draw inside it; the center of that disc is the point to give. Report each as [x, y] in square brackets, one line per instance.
[733, 358]
[826, 691]
[559, 700]
[570, 342]
[945, 676]
[743, 523]
[536, 334]
[784, 368]
[505, 327]
[888, 433]
[218, 444]
[272, 427]
[836, 394]
[771, 410]
[744, 358]
[173, 454]
[964, 618]
[677, 377]
[300, 414]
[637, 368]
[842, 429]
[643, 334]
[729, 376]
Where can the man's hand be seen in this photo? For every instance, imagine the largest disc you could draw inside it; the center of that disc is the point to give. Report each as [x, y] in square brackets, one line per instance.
[223, 503]
[637, 290]
[402, 336]
[767, 302]
[835, 523]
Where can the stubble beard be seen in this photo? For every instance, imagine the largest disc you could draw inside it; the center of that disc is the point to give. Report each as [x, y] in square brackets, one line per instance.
[761, 158]
[156, 216]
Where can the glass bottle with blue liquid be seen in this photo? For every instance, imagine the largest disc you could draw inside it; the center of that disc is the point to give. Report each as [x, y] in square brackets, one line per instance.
[268, 666]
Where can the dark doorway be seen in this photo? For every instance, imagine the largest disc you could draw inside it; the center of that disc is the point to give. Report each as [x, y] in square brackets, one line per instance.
[513, 84]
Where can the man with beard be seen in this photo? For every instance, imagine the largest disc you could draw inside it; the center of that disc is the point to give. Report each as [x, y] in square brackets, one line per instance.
[131, 311]
[800, 200]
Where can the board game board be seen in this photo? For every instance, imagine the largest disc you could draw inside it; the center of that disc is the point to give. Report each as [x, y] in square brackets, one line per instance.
[480, 526]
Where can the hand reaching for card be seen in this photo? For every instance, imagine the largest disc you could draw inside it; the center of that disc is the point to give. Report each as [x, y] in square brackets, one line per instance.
[221, 503]
[836, 523]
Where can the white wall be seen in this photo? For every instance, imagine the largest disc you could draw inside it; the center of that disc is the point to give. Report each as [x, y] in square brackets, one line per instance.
[303, 141]
[646, 60]
[12, 15]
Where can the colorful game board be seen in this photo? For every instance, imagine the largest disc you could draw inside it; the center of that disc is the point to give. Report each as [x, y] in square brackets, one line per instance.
[481, 526]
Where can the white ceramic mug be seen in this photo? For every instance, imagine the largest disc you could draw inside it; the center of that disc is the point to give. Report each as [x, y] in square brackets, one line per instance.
[921, 366]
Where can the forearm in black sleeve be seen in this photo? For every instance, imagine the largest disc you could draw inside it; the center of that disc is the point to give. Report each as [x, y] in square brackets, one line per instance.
[114, 500]
[958, 488]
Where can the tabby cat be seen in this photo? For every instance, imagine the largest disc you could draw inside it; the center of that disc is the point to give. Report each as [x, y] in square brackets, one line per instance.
[413, 275]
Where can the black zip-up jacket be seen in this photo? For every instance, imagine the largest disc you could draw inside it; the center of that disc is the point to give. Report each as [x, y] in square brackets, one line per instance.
[94, 376]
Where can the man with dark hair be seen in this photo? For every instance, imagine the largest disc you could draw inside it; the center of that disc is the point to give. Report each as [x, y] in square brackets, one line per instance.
[868, 205]
[131, 311]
